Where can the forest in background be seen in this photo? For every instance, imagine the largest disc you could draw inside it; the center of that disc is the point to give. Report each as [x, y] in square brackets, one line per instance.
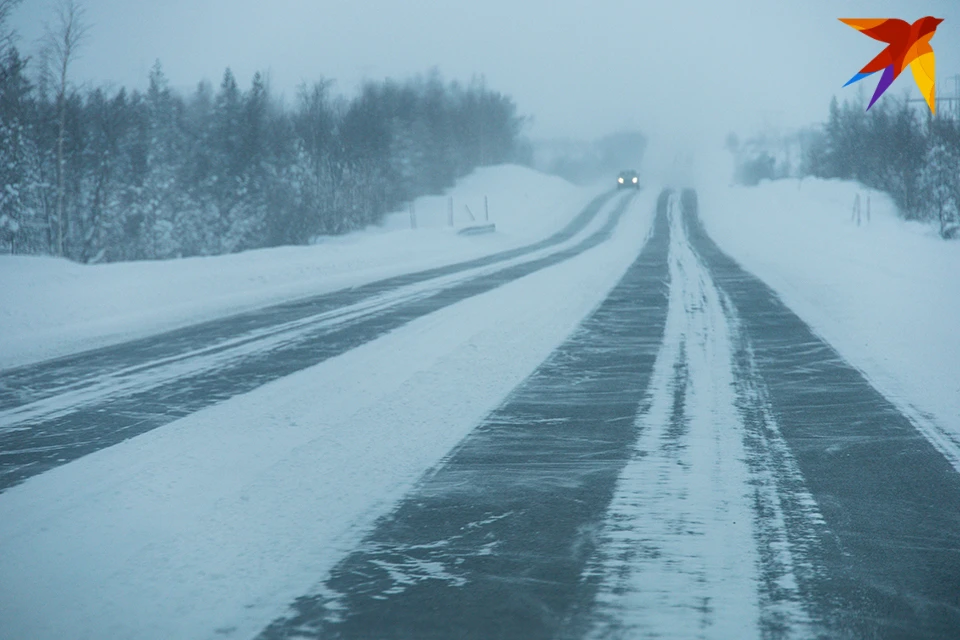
[98, 174]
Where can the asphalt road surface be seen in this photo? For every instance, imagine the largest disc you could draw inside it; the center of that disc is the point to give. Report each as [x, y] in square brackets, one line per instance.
[693, 461]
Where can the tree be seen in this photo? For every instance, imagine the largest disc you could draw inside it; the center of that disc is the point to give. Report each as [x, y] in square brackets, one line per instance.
[109, 122]
[161, 196]
[227, 161]
[6, 34]
[18, 183]
[316, 172]
[61, 46]
[940, 178]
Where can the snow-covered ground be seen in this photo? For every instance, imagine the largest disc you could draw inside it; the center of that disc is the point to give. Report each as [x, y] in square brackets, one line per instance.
[885, 293]
[50, 306]
[208, 526]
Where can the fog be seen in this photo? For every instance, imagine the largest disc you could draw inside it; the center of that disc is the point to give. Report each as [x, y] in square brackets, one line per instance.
[372, 336]
[578, 69]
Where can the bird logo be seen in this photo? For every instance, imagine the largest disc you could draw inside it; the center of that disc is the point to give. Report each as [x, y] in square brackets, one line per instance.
[907, 44]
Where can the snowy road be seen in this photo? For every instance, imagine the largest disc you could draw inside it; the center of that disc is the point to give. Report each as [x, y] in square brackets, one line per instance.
[692, 461]
[57, 411]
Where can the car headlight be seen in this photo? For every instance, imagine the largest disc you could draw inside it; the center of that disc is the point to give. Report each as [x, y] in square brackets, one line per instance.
[634, 181]
[620, 180]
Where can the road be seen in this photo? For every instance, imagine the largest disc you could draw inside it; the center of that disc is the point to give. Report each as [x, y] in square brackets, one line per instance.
[58, 411]
[692, 461]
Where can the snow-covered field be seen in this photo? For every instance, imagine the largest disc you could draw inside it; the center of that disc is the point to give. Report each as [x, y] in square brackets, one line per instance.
[50, 307]
[885, 293]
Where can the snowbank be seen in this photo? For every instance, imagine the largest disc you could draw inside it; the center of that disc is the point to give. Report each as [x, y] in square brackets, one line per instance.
[885, 293]
[50, 306]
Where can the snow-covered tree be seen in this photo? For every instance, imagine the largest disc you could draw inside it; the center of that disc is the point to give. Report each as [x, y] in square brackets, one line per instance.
[22, 223]
[940, 178]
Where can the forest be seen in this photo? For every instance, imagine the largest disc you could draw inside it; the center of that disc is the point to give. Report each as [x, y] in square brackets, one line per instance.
[96, 174]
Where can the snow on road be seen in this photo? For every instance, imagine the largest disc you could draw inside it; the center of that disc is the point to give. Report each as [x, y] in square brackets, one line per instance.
[209, 526]
[50, 306]
[679, 554]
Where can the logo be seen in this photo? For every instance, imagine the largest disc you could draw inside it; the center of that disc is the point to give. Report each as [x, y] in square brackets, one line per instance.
[907, 44]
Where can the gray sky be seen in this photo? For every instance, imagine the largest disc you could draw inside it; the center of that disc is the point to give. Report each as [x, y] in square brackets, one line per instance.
[580, 68]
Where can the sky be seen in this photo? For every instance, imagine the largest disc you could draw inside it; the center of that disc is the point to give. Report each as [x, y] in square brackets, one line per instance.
[579, 69]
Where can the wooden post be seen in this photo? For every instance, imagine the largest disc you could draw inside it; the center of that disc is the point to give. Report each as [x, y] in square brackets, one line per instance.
[413, 216]
[450, 211]
[486, 210]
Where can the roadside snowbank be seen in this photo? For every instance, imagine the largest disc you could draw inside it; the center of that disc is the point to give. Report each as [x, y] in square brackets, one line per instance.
[51, 307]
[885, 294]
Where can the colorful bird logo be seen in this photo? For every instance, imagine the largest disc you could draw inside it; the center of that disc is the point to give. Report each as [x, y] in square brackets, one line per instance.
[906, 44]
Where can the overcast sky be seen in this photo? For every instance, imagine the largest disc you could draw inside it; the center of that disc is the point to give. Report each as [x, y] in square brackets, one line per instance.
[580, 68]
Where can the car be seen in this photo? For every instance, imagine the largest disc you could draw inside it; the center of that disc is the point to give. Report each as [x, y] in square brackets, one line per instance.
[628, 178]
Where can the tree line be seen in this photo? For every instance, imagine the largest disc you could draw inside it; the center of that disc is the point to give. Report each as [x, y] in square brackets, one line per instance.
[105, 175]
[893, 148]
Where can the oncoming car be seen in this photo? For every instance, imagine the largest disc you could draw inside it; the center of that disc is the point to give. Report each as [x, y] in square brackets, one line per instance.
[628, 179]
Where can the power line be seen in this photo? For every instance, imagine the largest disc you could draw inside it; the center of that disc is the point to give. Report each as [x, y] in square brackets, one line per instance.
[952, 103]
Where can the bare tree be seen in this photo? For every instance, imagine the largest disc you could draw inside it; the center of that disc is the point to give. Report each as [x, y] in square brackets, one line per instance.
[6, 35]
[61, 44]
